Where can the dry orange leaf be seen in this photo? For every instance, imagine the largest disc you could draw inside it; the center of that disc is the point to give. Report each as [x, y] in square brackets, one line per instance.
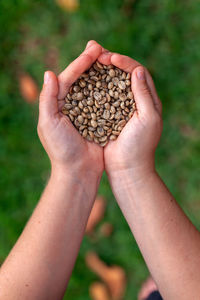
[28, 88]
[95, 264]
[106, 229]
[68, 5]
[116, 281]
[98, 291]
[114, 276]
[96, 214]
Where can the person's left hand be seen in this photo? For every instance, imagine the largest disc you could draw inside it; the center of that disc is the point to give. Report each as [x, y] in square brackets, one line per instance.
[132, 155]
[66, 148]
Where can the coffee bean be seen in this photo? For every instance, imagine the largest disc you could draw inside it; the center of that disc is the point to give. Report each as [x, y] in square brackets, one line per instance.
[107, 106]
[122, 123]
[116, 104]
[106, 114]
[82, 83]
[65, 111]
[99, 65]
[104, 143]
[100, 131]
[115, 132]
[80, 119]
[93, 116]
[122, 85]
[93, 123]
[130, 95]
[84, 134]
[68, 106]
[112, 73]
[97, 96]
[115, 81]
[122, 97]
[128, 82]
[79, 96]
[100, 103]
[110, 85]
[76, 88]
[103, 139]
[113, 137]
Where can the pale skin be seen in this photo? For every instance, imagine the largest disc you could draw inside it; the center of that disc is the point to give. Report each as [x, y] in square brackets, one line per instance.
[40, 264]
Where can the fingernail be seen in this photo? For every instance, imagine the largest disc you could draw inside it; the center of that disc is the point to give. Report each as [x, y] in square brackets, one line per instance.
[89, 44]
[46, 77]
[104, 50]
[140, 74]
[106, 53]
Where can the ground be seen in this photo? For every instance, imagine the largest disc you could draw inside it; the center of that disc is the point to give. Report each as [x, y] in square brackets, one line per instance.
[39, 35]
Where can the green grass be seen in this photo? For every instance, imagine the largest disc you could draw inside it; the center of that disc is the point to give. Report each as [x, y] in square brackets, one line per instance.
[163, 35]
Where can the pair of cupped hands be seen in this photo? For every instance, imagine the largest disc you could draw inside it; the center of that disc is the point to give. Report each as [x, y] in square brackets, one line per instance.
[134, 149]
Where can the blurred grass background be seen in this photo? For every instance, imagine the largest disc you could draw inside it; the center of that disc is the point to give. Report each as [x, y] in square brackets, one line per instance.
[38, 35]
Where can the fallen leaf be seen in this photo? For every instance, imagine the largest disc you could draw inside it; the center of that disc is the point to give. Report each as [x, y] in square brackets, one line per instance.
[68, 5]
[116, 281]
[106, 229]
[114, 276]
[28, 88]
[95, 264]
[188, 131]
[99, 291]
[96, 214]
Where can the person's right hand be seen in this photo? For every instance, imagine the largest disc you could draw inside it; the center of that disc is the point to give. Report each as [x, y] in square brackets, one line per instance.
[68, 151]
[132, 154]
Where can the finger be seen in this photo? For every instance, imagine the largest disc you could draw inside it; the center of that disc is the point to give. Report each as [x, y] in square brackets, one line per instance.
[90, 43]
[76, 68]
[105, 57]
[156, 99]
[142, 94]
[128, 64]
[48, 105]
[124, 62]
[61, 104]
[103, 51]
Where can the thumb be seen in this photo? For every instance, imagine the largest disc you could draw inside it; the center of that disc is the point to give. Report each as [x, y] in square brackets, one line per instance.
[48, 104]
[142, 94]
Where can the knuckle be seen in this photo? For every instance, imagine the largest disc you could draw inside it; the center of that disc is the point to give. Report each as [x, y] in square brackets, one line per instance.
[87, 56]
[156, 120]
[39, 129]
[160, 107]
[145, 90]
[42, 95]
[158, 104]
[42, 124]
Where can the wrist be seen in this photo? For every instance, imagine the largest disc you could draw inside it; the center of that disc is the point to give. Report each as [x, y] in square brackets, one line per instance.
[125, 186]
[80, 175]
[131, 176]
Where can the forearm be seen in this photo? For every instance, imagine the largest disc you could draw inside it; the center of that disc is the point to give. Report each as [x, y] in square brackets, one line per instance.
[40, 264]
[168, 241]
